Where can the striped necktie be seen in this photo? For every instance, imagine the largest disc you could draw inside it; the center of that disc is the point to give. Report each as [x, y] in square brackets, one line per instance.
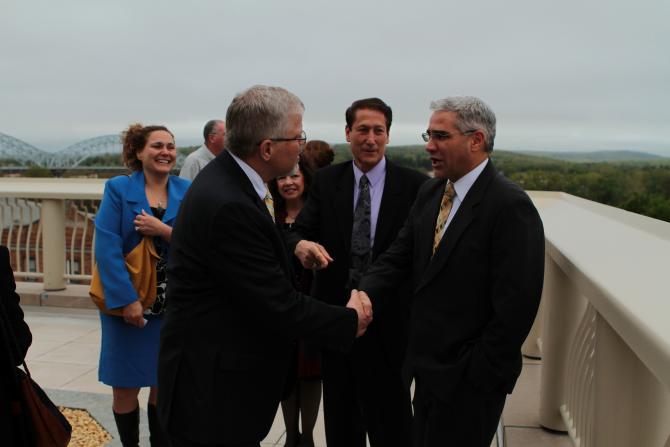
[269, 203]
[445, 208]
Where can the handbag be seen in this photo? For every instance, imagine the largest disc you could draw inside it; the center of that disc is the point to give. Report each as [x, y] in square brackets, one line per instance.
[39, 417]
[50, 427]
[141, 266]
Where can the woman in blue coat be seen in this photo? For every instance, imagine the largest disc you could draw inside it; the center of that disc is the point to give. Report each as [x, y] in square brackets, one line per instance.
[144, 203]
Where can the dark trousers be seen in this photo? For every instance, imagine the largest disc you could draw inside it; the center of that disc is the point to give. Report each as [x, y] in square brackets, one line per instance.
[363, 392]
[173, 441]
[469, 419]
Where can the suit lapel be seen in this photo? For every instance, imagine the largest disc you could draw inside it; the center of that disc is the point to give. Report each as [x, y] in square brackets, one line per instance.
[136, 197]
[426, 226]
[344, 204]
[231, 167]
[466, 213]
[173, 201]
[241, 179]
[387, 209]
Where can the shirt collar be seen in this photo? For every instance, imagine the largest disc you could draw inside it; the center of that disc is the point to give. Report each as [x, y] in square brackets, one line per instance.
[463, 184]
[255, 179]
[208, 154]
[375, 175]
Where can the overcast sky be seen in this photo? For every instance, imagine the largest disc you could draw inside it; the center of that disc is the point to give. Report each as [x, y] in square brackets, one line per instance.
[560, 75]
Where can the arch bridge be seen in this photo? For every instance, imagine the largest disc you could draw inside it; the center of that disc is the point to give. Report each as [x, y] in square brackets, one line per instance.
[20, 154]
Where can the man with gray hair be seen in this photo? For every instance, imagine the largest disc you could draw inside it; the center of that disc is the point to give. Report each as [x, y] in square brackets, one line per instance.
[214, 134]
[473, 246]
[233, 312]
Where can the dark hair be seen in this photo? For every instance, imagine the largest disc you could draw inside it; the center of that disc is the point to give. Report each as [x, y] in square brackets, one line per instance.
[279, 202]
[318, 154]
[209, 128]
[134, 138]
[371, 104]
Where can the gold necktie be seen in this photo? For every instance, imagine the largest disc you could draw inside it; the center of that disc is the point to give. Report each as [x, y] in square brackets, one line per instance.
[445, 208]
[270, 204]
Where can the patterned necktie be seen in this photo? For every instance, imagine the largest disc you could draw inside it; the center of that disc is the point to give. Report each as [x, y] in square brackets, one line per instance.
[360, 233]
[269, 203]
[445, 208]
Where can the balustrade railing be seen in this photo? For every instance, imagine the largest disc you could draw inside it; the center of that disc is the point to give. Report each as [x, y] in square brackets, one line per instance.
[48, 225]
[605, 331]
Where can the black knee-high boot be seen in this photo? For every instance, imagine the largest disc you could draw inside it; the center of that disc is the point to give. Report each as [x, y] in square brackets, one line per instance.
[156, 437]
[128, 425]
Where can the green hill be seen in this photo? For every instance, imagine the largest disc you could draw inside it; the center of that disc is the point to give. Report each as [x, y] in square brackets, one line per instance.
[600, 156]
[633, 181]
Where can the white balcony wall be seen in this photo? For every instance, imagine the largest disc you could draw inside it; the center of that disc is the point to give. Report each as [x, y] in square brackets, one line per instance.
[603, 331]
[48, 226]
[605, 335]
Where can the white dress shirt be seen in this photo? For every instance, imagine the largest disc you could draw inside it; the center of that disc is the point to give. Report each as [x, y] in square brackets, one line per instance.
[462, 186]
[377, 178]
[254, 178]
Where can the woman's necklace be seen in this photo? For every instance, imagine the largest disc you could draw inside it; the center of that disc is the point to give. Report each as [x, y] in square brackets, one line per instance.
[292, 213]
[158, 198]
[290, 217]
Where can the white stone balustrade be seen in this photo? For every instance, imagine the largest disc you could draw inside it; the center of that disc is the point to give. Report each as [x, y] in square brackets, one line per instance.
[603, 331]
[34, 226]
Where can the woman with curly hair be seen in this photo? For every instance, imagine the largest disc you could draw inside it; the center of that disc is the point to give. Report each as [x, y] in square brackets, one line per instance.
[142, 204]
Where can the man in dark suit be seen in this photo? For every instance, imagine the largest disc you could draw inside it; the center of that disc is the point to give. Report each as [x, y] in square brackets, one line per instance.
[232, 312]
[362, 391]
[473, 247]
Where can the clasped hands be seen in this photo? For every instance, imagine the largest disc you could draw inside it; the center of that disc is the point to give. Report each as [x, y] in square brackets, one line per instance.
[360, 302]
[314, 256]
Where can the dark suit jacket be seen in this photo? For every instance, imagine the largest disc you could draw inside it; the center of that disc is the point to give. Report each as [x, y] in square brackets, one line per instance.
[232, 314]
[475, 300]
[327, 218]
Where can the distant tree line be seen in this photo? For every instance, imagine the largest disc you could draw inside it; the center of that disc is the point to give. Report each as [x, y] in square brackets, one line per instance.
[642, 188]
[637, 186]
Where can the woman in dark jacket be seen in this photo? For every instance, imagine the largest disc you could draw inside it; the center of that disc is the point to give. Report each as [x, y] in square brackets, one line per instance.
[290, 193]
[16, 339]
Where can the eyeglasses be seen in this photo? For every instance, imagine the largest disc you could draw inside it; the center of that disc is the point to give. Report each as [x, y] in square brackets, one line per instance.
[302, 139]
[438, 135]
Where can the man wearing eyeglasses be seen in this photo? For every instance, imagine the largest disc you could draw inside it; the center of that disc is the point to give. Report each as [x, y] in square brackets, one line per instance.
[214, 133]
[353, 213]
[233, 314]
[473, 247]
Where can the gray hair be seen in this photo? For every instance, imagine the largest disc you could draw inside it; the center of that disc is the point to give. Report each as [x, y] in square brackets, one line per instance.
[473, 113]
[258, 113]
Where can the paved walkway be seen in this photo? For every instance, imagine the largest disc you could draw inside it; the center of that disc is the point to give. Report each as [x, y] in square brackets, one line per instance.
[63, 359]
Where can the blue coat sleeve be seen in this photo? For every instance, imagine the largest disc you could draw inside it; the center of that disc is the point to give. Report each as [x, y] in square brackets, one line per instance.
[109, 253]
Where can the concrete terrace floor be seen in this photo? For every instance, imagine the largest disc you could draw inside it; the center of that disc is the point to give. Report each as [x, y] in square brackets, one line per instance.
[63, 359]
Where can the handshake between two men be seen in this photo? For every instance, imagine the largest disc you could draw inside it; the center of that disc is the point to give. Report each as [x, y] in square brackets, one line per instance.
[314, 256]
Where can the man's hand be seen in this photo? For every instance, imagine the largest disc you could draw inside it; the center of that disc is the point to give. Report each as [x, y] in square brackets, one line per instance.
[360, 302]
[312, 255]
[365, 302]
[134, 314]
